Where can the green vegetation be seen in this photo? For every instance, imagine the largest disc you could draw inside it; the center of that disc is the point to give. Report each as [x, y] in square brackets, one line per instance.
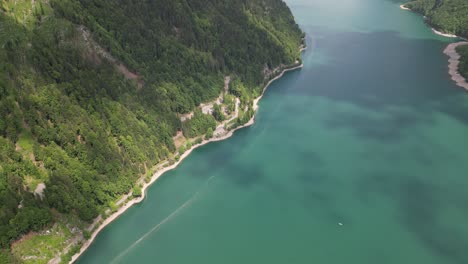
[7, 257]
[87, 234]
[229, 101]
[198, 140]
[209, 133]
[198, 125]
[463, 66]
[25, 142]
[136, 192]
[244, 116]
[68, 257]
[218, 113]
[70, 118]
[43, 246]
[21, 211]
[449, 16]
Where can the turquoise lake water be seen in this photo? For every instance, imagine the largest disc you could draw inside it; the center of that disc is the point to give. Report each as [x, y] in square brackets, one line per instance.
[359, 157]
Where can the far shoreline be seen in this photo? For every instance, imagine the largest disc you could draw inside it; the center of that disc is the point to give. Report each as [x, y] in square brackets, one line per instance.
[447, 35]
[161, 172]
[405, 8]
[437, 32]
[454, 57]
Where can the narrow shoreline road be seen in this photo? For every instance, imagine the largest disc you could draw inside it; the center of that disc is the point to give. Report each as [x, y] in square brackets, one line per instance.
[161, 172]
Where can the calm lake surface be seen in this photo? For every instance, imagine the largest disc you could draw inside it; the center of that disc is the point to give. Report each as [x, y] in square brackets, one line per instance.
[360, 157]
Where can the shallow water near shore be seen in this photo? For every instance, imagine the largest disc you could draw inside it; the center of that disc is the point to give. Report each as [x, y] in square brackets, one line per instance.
[359, 157]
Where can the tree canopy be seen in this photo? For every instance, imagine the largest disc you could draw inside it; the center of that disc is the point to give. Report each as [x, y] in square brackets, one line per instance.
[449, 16]
[91, 90]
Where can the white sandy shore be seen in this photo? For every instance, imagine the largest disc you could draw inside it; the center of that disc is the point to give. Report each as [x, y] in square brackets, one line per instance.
[444, 34]
[404, 8]
[159, 173]
[454, 61]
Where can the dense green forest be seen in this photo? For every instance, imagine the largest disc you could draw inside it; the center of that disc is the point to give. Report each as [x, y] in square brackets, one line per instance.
[463, 66]
[450, 16]
[71, 120]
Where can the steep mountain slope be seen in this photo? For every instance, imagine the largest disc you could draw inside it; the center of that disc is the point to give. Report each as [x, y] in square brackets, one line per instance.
[91, 92]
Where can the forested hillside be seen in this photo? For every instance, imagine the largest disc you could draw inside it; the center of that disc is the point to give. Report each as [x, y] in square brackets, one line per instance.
[91, 92]
[450, 16]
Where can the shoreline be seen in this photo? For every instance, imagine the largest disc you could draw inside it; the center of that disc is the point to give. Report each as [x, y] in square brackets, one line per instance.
[454, 61]
[447, 35]
[454, 57]
[405, 8]
[161, 172]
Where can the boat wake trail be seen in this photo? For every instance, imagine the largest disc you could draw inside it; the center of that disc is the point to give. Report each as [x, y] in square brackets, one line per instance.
[165, 220]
